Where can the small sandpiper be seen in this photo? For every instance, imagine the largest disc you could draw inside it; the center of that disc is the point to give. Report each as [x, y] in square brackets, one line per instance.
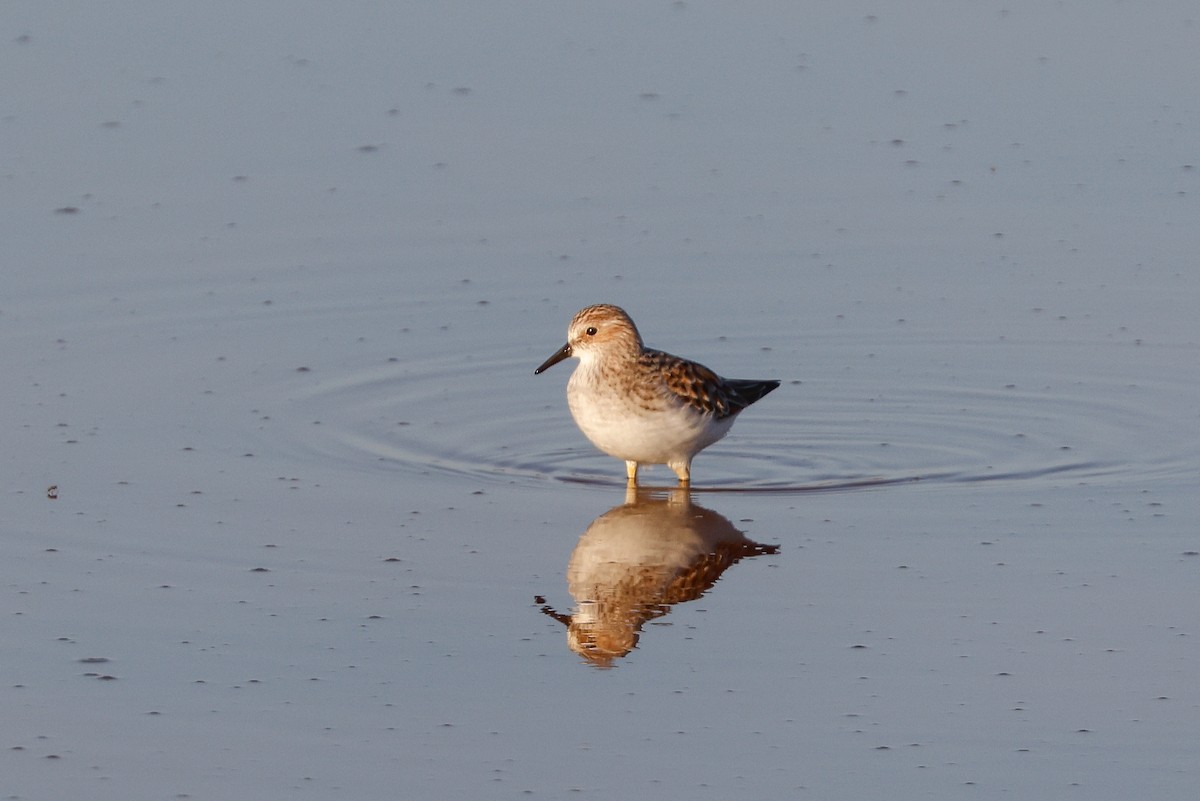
[643, 405]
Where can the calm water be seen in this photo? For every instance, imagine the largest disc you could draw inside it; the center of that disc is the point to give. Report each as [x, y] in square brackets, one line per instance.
[276, 284]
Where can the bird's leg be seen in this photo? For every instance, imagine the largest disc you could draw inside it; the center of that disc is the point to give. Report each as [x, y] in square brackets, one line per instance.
[631, 472]
[684, 471]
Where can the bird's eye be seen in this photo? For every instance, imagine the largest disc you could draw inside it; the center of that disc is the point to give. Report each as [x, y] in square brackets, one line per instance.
[591, 332]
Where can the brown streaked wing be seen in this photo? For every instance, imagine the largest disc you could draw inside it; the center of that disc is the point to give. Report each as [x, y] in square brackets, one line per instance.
[694, 384]
[703, 572]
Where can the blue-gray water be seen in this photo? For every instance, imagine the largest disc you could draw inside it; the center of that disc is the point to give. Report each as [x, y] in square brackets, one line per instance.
[277, 276]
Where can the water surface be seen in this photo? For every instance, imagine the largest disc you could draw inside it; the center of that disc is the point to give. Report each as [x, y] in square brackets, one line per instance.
[276, 283]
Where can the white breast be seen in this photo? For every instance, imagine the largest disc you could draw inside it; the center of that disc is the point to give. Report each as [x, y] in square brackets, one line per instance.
[621, 426]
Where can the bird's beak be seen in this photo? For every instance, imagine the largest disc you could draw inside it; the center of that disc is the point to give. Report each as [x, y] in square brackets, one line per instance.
[564, 353]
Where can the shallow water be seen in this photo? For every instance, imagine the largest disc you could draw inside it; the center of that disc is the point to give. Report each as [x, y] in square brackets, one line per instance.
[276, 286]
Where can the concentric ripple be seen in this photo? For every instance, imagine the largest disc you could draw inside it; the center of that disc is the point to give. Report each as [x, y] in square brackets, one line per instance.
[492, 420]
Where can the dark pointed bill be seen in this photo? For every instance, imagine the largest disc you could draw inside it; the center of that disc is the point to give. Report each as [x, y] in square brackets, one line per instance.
[564, 353]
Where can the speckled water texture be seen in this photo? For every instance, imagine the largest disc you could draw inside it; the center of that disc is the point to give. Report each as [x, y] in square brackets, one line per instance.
[276, 277]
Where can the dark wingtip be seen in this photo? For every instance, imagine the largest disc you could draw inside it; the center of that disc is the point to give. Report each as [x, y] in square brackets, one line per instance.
[751, 391]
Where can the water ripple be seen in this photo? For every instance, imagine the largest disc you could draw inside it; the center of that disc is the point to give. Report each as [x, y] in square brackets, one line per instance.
[493, 421]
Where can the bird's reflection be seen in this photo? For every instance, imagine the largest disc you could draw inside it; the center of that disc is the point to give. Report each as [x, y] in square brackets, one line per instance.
[637, 560]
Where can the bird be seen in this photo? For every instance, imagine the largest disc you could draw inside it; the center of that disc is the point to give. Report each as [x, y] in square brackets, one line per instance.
[638, 560]
[641, 405]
